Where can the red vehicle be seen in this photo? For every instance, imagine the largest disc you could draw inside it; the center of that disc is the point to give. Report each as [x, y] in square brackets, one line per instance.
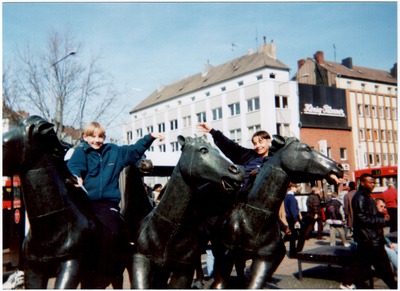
[382, 175]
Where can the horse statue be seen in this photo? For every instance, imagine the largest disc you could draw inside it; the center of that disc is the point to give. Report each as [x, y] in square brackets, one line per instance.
[63, 237]
[168, 237]
[251, 228]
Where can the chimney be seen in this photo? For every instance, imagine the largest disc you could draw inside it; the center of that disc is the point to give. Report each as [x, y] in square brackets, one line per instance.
[319, 57]
[348, 63]
[268, 48]
[300, 63]
[393, 71]
[206, 68]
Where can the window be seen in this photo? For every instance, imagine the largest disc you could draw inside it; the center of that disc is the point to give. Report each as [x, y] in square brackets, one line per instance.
[329, 152]
[240, 83]
[187, 121]
[343, 153]
[367, 111]
[389, 136]
[174, 124]
[362, 86]
[151, 149]
[283, 129]
[371, 159]
[389, 90]
[362, 134]
[208, 93]
[201, 117]
[150, 129]
[281, 101]
[129, 136]
[376, 88]
[385, 159]
[360, 110]
[381, 112]
[388, 111]
[376, 135]
[234, 108]
[259, 77]
[161, 127]
[394, 113]
[139, 133]
[272, 76]
[161, 147]
[217, 113]
[253, 129]
[175, 146]
[236, 135]
[253, 104]
[378, 159]
[374, 113]
[223, 89]
[349, 84]
[369, 134]
[383, 135]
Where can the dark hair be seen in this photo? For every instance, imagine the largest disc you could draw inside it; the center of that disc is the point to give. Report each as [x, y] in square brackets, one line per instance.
[261, 134]
[156, 186]
[365, 176]
[352, 185]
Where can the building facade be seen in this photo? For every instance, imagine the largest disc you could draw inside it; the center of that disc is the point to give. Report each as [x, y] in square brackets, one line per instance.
[369, 139]
[240, 97]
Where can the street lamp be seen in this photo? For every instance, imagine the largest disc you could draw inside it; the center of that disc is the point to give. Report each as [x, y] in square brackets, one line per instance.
[71, 53]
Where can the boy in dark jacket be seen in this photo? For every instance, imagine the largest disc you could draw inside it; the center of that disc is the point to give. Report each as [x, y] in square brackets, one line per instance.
[97, 166]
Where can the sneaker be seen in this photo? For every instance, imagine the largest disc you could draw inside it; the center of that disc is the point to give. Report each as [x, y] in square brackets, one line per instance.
[352, 286]
[347, 245]
[15, 280]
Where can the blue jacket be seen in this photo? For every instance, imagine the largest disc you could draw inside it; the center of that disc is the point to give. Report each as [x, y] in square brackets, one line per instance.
[100, 169]
[291, 207]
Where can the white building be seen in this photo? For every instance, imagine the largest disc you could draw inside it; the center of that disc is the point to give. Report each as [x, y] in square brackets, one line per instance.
[239, 97]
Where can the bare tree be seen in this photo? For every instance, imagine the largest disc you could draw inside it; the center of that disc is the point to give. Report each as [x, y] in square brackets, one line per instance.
[60, 87]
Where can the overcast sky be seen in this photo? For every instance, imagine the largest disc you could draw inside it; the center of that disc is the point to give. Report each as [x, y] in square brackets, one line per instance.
[148, 44]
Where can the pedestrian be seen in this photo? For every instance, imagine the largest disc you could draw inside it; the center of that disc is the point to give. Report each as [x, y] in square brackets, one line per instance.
[390, 247]
[368, 226]
[390, 196]
[293, 217]
[97, 166]
[348, 210]
[251, 159]
[156, 192]
[335, 218]
[314, 213]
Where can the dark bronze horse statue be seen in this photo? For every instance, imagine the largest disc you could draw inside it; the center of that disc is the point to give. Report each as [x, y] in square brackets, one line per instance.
[63, 236]
[168, 237]
[251, 229]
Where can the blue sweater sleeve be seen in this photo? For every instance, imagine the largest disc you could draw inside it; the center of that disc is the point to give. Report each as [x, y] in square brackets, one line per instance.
[132, 153]
[77, 163]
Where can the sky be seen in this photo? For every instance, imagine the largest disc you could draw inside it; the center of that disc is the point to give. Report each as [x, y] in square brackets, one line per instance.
[146, 44]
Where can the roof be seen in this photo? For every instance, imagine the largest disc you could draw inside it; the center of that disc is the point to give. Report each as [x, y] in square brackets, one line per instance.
[226, 71]
[360, 73]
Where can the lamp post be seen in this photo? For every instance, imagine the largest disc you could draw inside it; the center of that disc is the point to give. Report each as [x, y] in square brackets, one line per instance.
[71, 53]
[54, 65]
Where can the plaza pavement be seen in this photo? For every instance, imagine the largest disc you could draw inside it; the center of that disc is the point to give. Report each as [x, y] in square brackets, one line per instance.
[315, 276]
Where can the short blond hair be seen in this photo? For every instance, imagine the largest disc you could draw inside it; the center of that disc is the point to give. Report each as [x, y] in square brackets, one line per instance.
[91, 127]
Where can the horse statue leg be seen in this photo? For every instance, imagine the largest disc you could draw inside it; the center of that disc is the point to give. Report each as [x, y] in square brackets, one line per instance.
[68, 277]
[142, 272]
[262, 269]
[223, 265]
[181, 279]
[35, 278]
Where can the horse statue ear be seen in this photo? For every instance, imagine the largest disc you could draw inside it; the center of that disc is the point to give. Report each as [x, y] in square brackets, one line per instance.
[181, 140]
[277, 143]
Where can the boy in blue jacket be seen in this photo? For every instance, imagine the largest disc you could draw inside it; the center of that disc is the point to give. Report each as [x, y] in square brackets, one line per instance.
[97, 166]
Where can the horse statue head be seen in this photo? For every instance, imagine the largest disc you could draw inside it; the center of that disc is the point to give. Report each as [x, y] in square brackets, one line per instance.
[201, 163]
[24, 144]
